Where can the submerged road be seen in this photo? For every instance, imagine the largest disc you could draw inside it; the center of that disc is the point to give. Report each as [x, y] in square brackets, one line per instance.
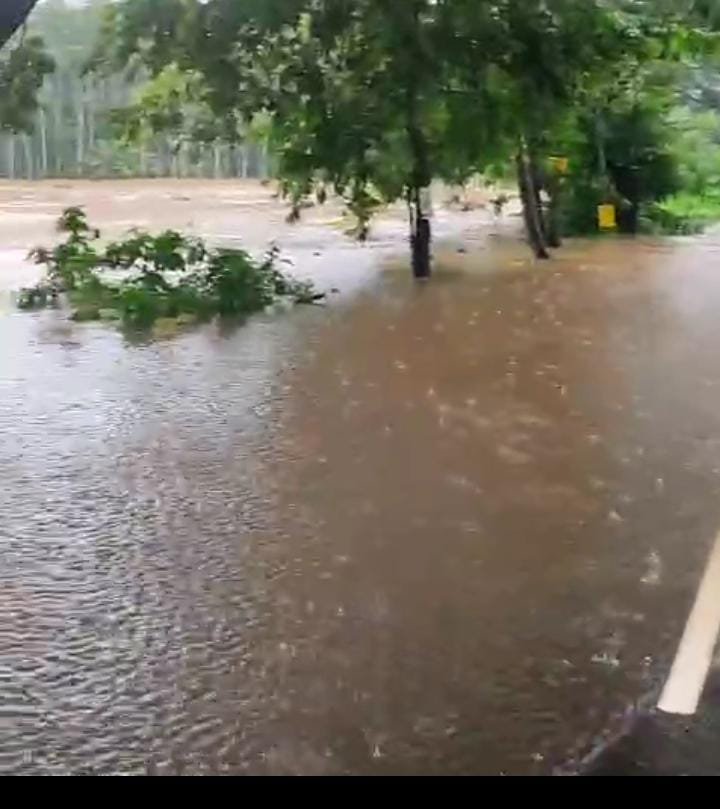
[453, 529]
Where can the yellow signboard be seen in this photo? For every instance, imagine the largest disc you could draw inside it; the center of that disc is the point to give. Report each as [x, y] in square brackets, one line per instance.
[606, 217]
[560, 164]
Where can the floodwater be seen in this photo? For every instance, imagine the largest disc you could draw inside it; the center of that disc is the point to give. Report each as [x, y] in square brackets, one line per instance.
[450, 528]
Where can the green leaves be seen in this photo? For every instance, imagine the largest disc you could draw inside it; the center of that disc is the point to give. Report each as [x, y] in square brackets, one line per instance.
[22, 72]
[372, 98]
[167, 275]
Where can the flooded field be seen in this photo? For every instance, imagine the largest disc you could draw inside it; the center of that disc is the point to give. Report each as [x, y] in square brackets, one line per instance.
[237, 213]
[450, 528]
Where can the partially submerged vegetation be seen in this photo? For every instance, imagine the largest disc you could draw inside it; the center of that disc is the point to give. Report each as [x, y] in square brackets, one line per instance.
[144, 278]
[684, 214]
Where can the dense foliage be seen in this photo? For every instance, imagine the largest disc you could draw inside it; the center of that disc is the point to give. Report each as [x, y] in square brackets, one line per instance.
[145, 277]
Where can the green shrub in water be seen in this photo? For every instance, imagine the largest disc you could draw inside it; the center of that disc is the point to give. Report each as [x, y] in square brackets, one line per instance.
[684, 213]
[146, 277]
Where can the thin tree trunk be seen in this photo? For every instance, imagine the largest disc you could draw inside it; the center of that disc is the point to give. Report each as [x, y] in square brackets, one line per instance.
[80, 138]
[184, 159]
[531, 214]
[91, 122]
[43, 143]
[217, 161]
[244, 161]
[600, 143]
[143, 160]
[27, 149]
[232, 163]
[553, 223]
[11, 156]
[57, 132]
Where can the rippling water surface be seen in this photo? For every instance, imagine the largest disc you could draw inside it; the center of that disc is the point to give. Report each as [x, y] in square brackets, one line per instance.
[441, 529]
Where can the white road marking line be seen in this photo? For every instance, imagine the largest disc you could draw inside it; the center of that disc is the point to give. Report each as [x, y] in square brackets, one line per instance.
[690, 668]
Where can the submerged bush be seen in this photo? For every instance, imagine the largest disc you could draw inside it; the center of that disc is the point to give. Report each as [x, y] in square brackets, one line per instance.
[146, 277]
[684, 214]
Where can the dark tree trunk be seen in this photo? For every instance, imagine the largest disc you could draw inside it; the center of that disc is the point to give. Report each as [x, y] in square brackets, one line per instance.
[633, 217]
[532, 213]
[420, 231]
[420, 241]
[628, 216]
[549, 213]
[537, 184]
[626, 180]
[420, 235]
[553, 223]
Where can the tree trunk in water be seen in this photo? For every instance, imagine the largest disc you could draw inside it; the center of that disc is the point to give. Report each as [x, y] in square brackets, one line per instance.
[553, 223]
[419, 183]
[554, 237]
[539, 183]
[421, 249]
[420, 236]
[531, 213]
[628, 216]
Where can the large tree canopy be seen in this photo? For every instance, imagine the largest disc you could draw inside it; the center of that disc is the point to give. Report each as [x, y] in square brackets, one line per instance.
[376, 98]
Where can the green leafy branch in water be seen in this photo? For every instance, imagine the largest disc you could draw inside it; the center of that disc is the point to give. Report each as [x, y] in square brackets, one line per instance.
[684, 214]
[146, 277]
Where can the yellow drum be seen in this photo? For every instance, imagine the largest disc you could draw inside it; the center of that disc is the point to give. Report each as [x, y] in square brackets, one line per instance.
[606, 217]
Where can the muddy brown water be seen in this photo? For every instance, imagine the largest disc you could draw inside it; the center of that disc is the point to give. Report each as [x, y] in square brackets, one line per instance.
[445, 529]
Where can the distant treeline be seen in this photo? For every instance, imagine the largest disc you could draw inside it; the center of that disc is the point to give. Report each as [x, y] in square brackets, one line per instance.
[73, 135]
